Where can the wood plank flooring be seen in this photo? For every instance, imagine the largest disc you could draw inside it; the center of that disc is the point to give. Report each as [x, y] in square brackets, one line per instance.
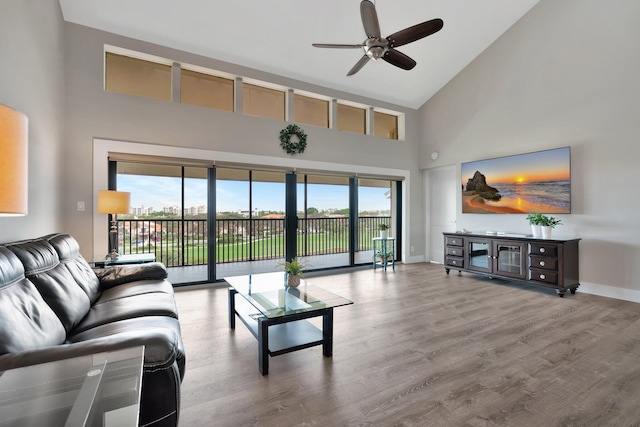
[419, 348]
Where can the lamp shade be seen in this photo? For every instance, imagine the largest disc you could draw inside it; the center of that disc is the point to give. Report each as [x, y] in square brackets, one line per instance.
[14, 138]
[113, 202]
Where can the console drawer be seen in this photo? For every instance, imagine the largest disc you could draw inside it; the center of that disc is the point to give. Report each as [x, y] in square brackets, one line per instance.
[455, 251]
[543, 276]
[543, 249]
[453, 241]
[544, 263]
[454, 261]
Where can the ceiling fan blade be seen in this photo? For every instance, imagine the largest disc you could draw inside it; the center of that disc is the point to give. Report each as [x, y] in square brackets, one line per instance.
[416, 32]
[369, 19]
[361, 63]
[399, 59]
[337, 46]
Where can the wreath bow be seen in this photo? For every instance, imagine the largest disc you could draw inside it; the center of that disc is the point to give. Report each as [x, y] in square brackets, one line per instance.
[298, 144]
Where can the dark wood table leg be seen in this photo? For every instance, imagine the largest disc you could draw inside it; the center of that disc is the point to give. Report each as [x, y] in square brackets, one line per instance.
[263, 346]
[327, 332]
[232, 308]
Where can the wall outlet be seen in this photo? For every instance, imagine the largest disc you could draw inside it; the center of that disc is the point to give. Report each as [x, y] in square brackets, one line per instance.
[412, 248]
[80, 206]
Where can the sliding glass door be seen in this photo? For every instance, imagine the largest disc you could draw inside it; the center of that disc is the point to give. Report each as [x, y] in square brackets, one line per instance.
[323, 220]
[168, 216]
[207, 222]
[250, 212]
[374, 208]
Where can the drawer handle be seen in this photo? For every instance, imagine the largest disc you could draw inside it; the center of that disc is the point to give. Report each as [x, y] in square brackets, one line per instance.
[541, 250]
[542, 276]
[541, 263]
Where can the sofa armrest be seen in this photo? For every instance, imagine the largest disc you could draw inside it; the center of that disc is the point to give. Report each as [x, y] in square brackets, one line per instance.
[117, 275]
[161, 349]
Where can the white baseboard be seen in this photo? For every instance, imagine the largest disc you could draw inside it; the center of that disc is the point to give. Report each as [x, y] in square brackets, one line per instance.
[414, 259]
[609, 291]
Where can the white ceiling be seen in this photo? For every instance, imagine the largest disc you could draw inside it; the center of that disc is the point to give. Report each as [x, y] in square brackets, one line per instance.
[275, 36]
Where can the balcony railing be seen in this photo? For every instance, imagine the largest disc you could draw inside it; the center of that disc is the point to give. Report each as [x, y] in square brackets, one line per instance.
[178, 243]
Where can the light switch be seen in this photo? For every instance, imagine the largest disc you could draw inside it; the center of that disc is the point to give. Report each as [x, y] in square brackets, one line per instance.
[80, 206]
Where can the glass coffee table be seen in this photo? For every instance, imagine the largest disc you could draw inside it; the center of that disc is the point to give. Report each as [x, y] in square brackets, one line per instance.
[276, 314]
[101, 389]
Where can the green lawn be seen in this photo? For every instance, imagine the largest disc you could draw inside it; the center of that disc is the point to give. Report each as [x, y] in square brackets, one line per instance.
[265, 248]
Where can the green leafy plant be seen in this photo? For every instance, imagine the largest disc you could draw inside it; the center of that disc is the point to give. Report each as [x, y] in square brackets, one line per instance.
[543, 220]
[535, 218]
[383, 226]
[293, 267]
[384, 256]
[549, 221]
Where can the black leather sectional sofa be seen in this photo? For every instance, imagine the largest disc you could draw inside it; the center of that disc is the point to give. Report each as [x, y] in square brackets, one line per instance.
[54, 306]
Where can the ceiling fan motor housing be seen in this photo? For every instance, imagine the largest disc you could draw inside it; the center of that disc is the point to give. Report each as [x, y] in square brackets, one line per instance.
[375, 48]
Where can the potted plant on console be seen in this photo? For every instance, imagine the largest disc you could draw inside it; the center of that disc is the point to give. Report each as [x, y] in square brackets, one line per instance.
[535, 220]
[541, 225]
[547, 223]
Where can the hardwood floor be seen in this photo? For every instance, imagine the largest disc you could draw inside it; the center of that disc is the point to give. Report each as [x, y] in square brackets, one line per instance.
[421, 348]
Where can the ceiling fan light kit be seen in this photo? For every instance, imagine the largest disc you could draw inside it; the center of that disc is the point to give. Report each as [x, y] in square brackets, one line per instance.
[376, 47]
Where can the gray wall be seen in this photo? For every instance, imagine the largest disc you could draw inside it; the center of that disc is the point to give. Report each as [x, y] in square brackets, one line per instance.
[93, 113]
[32, 81]
[565, 75]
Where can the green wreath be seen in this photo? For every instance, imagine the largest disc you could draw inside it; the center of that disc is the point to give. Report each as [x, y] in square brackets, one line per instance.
[299, 143]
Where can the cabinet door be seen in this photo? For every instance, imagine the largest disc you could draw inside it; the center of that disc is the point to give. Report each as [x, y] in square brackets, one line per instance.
[509, 258]
[478, 254]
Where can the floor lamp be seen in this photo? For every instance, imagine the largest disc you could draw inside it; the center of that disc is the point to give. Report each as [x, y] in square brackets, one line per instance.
[14, 175]
[113, 203]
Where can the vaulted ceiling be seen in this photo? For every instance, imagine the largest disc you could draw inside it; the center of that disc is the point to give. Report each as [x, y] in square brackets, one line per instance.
[276, 35]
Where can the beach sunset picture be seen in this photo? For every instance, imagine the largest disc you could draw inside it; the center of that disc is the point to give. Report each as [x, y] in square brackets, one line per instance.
[538, 182]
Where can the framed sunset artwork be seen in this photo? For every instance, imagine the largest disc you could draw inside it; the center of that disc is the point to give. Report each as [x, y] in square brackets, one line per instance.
[538, 182]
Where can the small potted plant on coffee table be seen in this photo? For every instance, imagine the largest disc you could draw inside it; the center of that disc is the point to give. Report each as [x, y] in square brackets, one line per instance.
[294, 271]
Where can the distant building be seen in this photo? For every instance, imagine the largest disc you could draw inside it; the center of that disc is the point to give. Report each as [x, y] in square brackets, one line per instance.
[246, 213]
[171, 210]
[141, 211]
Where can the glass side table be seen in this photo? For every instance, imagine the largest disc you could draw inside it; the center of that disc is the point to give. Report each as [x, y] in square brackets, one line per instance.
[384, 252]
[101, 389]
[124, 259]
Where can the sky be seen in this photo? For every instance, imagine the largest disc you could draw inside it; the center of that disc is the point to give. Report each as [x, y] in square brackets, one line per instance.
[232, 196]
[539, 166]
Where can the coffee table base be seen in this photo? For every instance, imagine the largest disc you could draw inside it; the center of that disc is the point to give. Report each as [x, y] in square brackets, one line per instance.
[282, 335]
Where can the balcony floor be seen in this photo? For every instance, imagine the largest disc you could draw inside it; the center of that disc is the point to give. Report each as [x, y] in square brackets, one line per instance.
[198, 273]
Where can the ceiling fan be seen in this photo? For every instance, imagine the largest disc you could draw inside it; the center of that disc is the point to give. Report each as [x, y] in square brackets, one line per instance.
[376, 47]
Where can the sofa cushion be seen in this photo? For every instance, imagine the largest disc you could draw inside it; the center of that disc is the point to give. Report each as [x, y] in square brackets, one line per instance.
[138, 287]
[53, 280]
[27, 321]
[159, 334]
[69, 255]
[127, 307]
